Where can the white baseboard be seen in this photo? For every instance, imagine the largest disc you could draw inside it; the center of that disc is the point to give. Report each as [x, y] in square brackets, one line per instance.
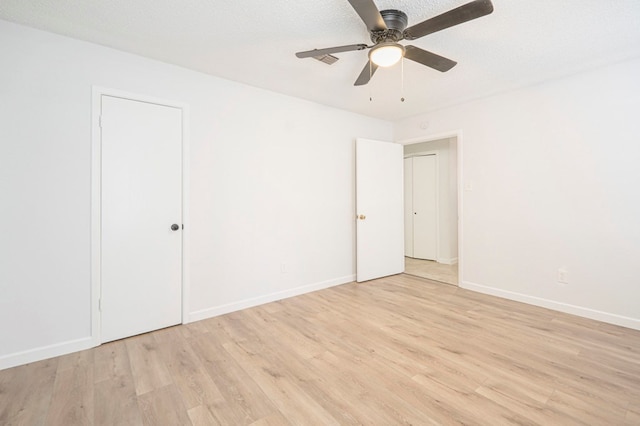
[451, 261]
[267, 298]
[45, 352]
[556, 306]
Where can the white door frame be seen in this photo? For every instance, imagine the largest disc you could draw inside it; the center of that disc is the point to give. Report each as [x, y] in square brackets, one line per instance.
[96, 207]
[459, 141]
[437, 183]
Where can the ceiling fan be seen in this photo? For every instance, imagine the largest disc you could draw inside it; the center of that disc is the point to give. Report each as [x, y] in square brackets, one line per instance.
[388, 27]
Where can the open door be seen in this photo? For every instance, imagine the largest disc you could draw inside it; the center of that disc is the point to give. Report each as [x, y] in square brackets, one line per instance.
[379, 209]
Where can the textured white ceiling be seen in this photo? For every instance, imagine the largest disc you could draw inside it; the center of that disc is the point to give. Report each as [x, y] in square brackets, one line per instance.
[254, 41]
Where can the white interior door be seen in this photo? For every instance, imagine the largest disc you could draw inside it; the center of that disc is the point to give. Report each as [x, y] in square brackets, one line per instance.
[379, 204]
[141, 198]
[408, 207]
[425, 204]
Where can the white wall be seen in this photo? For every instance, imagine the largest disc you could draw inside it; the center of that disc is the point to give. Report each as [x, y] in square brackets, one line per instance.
[554, 169]
[272, 182]
[446, 154]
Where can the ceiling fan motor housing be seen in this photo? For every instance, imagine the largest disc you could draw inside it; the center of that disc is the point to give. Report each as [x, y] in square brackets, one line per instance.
[396, 21]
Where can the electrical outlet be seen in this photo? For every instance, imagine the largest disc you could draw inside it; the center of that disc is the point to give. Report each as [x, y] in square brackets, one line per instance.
[562, 276]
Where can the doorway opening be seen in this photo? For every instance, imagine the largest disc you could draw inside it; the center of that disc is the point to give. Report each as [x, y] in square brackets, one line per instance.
[436, 190]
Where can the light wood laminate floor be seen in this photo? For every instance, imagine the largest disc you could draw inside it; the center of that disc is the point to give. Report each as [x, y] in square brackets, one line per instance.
[399, 350]
[432, 270]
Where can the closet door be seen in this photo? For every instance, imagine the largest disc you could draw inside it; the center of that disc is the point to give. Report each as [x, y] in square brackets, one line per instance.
[408, 207]
[425, 207]
[141, 226]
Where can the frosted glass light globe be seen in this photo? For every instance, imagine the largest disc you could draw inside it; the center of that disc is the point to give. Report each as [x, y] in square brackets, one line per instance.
[386, 54]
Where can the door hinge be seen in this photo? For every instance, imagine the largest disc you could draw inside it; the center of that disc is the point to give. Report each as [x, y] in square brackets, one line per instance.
[100, 121]
[100, 305]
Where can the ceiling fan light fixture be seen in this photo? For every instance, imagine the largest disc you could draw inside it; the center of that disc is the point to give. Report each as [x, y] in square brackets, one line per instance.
[386, 54]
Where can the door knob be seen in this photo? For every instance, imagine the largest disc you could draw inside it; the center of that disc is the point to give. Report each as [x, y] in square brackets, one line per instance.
[362, 217]
[175, 227]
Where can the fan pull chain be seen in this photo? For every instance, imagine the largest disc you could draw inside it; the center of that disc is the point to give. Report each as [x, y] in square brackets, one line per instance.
[402, 79]
[370, 75]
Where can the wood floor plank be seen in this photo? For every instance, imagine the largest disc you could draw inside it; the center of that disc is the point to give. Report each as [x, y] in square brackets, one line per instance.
[275, 419]
[111, 361]
[116, 402]
[163, 406]
[196, 387]
[464, 406]
[581, 407]
[115, 399]
[290, 400]
[533, 411]
[200, 416]
[368, 401]
[72, 402]
[147, 368]
[245, 401]
[632, 418]
[314, 382]
[26, 391]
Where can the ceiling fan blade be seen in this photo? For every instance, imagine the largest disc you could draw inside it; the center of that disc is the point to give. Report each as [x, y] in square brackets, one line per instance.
[456, 16]
[429, 59]
[366, 74]
[329, 50]
[370, 14]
